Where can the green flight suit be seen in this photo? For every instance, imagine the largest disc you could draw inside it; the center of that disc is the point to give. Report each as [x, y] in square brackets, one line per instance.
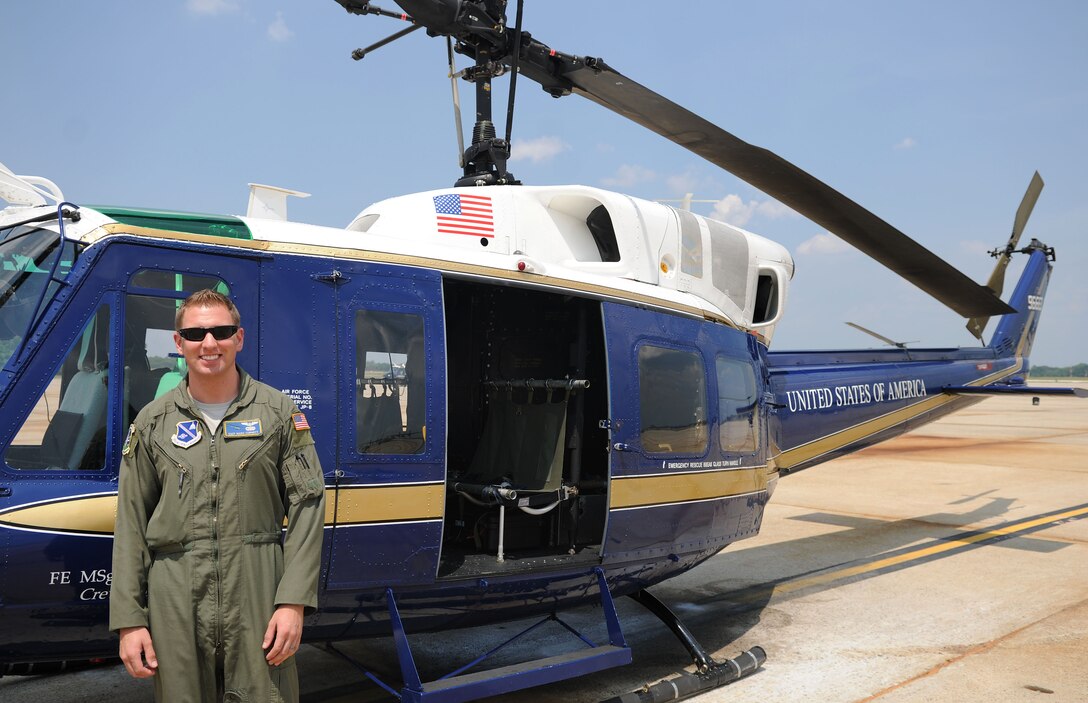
[200, 556]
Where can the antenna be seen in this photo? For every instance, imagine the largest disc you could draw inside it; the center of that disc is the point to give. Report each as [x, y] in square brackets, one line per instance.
[270, 202]
[685, 202]
[886, 340]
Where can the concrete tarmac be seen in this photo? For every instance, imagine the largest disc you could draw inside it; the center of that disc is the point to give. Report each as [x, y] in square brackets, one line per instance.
[948, 565]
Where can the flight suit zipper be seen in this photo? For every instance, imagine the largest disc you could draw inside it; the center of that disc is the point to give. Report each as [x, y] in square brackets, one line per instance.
[260, 447]
[183, 472]
[213, 454]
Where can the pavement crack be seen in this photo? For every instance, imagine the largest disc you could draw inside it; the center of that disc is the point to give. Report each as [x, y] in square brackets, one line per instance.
[981, 648]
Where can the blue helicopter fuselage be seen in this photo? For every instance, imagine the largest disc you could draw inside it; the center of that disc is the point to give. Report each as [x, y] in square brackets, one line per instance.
[653, 436]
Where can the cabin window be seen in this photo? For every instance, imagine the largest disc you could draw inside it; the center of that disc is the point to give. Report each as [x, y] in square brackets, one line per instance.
[691, 245]
[176, 282]
[66, 430]
[672, 401]
[390, 383]
[152, 364]
[738, 419]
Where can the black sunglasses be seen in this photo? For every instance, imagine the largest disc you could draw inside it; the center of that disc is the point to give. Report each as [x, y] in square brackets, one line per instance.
[197, 334]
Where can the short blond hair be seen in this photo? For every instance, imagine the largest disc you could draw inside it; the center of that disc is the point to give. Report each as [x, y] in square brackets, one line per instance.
[207, 298]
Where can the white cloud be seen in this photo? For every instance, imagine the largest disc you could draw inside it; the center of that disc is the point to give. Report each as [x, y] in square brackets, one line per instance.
[629, 175]
[278, 30]
[733, 210]
[906, 143]
[825, 243]
[211, 7]
[682, 183]
[538, 150]
[774, 210]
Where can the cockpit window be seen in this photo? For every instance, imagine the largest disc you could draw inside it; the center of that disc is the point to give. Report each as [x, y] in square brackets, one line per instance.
[66, 430]
[27, 256]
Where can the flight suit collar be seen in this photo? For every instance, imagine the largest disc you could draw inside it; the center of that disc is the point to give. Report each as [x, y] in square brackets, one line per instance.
[247, 393]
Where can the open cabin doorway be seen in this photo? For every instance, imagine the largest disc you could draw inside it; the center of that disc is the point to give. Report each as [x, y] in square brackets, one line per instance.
[527, 457]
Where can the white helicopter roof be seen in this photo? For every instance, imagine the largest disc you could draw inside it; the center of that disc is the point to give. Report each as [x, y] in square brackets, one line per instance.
[577, 231]
[641, 250]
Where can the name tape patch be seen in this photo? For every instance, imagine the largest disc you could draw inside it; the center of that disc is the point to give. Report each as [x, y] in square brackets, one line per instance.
[242, 428]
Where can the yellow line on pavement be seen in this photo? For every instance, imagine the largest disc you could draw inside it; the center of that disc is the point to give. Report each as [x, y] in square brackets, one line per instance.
[924, 552]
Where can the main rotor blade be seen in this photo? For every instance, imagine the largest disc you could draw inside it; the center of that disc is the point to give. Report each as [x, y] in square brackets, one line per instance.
[788, 184]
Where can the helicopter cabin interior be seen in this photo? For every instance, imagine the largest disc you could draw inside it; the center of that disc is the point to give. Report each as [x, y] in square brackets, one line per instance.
[67, 428]
[527, 473]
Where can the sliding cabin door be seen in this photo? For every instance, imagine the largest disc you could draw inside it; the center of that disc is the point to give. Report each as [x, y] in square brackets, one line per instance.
[688, 465]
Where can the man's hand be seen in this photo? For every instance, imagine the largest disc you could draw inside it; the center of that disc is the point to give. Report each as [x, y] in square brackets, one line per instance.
[137, 653]
[283, 634]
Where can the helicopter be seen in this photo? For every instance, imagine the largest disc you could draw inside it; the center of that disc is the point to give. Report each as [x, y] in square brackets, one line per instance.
[527, 398]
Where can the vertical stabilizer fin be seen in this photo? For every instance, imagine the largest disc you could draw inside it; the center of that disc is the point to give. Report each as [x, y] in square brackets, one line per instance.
[1015, 332]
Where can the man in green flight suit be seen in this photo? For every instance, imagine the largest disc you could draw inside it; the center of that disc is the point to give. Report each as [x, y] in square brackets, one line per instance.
[202, 564]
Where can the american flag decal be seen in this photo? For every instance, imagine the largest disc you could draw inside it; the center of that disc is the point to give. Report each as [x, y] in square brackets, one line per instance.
[457, 213]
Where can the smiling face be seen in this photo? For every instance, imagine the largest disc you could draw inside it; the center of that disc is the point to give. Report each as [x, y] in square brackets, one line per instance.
[210, 361]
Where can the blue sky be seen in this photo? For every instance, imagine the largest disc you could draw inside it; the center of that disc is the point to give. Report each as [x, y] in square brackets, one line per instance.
[931, 114]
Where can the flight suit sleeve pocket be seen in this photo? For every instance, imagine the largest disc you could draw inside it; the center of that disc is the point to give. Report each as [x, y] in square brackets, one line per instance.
[303, 478]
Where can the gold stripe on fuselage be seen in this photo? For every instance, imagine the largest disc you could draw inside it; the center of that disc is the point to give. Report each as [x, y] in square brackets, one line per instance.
[837, 440]
[90, 515]
[358, 505]
[683, 487]
[352, 505]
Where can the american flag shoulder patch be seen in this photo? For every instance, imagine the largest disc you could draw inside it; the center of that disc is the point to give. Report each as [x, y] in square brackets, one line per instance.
[463, 213]
[300, 421]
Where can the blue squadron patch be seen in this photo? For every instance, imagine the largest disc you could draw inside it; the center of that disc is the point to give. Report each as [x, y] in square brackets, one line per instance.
[188, 434]
[242, 428]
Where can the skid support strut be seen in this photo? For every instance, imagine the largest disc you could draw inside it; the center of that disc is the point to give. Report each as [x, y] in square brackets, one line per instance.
[709, 674]
[462, 685]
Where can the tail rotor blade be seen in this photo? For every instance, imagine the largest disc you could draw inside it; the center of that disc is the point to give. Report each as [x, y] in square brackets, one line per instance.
[996, 283]
[1026, 206]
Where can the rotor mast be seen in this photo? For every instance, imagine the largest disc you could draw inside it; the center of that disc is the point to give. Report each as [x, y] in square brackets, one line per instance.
[485, 159]
[480, 31]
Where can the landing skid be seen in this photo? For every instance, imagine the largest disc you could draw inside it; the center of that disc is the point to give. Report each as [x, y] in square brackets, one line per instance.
[709, 674]
[458, 685]
[461, 684]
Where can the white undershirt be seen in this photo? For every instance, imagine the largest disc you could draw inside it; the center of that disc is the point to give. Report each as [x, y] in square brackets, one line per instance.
[212, 413]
